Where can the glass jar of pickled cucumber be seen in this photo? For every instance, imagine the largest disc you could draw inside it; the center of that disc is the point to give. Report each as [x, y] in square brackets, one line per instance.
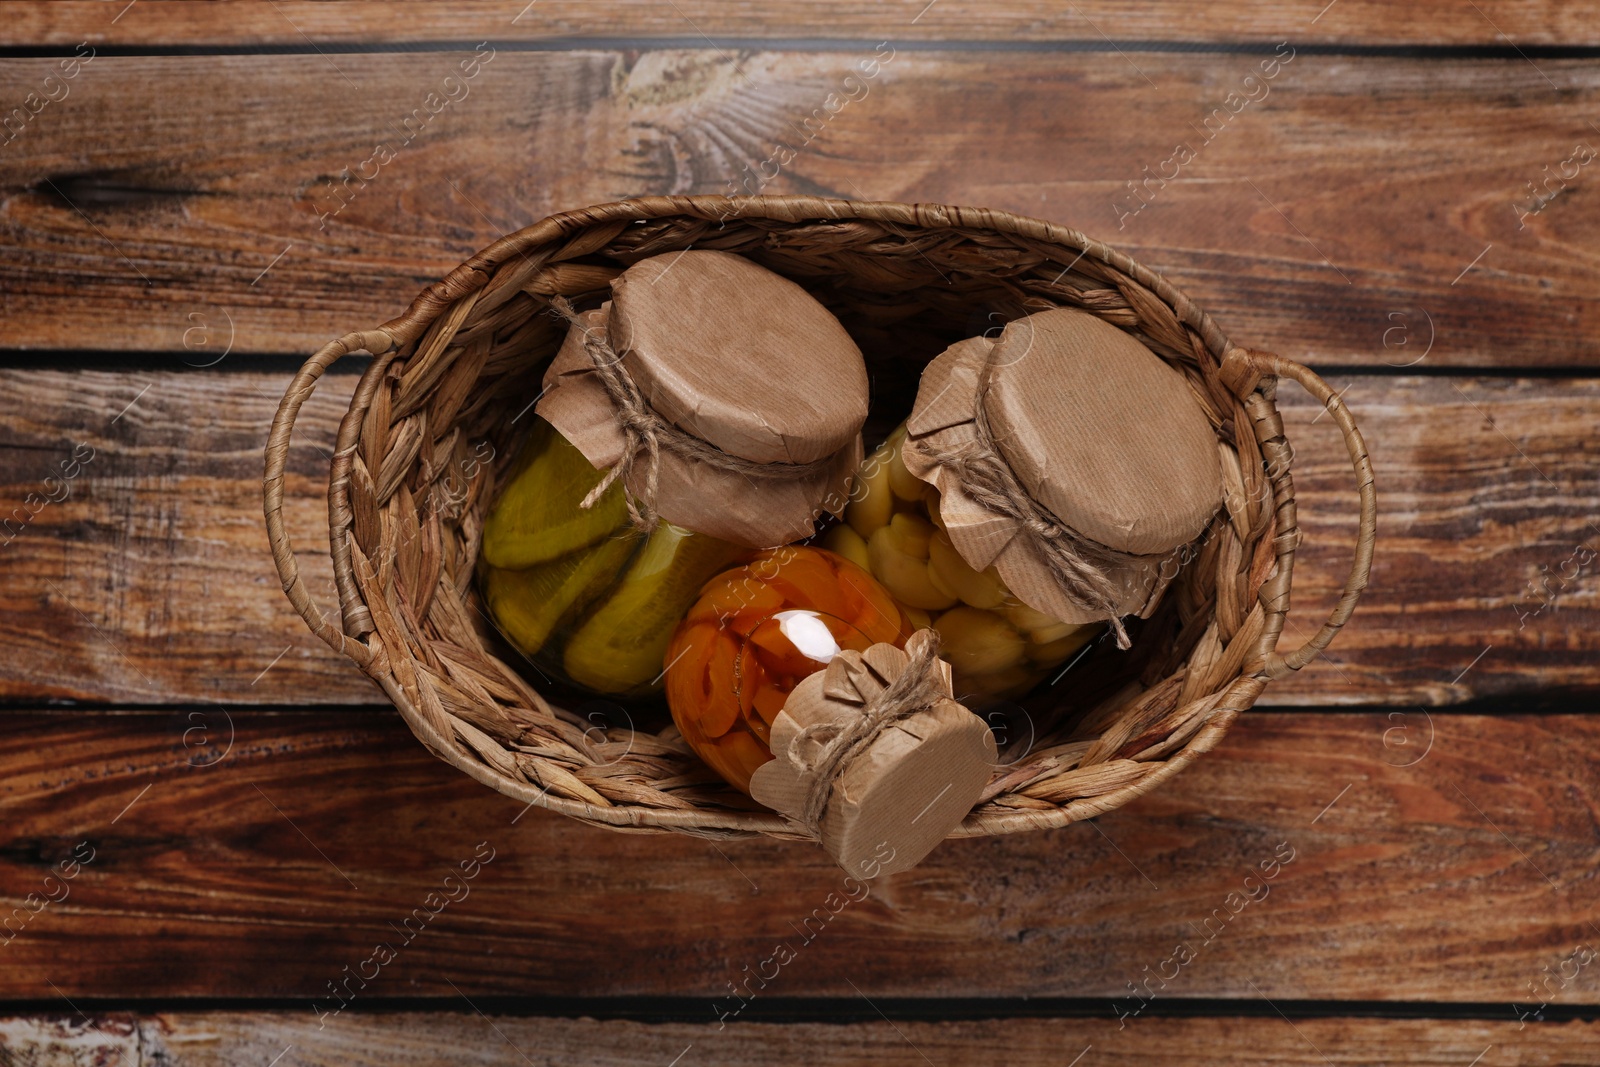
[710, 409]
[996, 645]
[754, 633]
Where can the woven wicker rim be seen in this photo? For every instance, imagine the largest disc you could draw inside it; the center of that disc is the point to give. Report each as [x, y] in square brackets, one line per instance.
[476, 713]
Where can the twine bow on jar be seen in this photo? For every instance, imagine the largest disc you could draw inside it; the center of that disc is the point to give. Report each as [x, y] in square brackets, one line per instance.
[822, 751]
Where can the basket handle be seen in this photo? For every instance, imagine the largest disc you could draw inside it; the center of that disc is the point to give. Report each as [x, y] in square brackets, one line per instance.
[299, 391]
[1243, 369]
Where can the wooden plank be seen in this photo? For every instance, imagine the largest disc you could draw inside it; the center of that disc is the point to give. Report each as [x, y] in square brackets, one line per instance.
[172, 22]
[203, 1039]
[151, 583]
[1486, 581]
[263, 854]
[1365, 210]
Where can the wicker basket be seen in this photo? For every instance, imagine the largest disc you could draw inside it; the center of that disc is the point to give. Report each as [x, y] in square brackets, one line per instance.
[406, 499]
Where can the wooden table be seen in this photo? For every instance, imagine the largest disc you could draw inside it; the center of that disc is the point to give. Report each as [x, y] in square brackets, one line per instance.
[1407, 202]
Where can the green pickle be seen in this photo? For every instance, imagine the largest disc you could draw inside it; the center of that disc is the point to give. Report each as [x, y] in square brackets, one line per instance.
[626, 636]
[537, 519]
[583, 594]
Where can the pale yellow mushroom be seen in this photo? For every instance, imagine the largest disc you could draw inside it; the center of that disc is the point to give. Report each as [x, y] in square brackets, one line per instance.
[979, 642]
[905, 576]
[846, 542]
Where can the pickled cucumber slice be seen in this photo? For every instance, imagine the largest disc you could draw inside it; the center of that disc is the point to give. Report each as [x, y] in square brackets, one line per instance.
[1025, 618]
[538, 517]
[621, 647]
[528, 604]
[911, 533]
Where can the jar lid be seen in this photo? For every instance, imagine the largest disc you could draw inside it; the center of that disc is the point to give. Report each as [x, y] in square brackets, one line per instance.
[1101, 433]
[737, 357]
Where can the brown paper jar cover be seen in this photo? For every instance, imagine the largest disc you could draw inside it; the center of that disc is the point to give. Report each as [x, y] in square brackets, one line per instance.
[900, 796]
[739, 357]
[1097, 430]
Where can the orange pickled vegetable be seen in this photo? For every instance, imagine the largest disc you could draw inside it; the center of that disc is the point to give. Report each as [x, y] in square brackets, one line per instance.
[755, 632]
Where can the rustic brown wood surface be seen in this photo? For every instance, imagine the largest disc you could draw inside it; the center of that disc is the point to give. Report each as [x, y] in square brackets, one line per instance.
[199, 800]
[1349, 209]
[150, 583]
[414, 1039]
[1370, 22]
[260, 854]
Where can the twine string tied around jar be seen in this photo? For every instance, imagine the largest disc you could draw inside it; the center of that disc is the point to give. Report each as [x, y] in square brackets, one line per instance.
[644, 430]
[920, 685]
[1081, 564]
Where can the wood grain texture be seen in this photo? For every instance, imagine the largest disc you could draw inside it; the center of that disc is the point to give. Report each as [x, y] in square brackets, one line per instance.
[151, 582]
[1363, 210]
[174, 22]
[259, 855]
[415, 1039]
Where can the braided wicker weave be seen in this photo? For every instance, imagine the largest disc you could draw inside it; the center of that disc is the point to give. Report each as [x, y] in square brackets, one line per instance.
[406, 500]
